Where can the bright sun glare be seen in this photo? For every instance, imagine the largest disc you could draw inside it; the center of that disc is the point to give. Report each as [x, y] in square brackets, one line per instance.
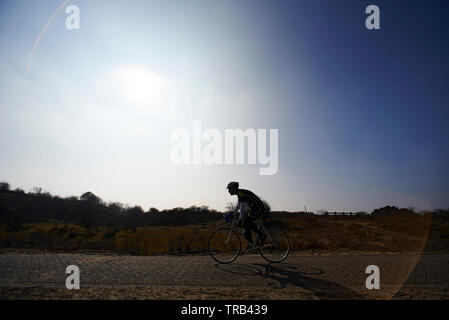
[138, 85]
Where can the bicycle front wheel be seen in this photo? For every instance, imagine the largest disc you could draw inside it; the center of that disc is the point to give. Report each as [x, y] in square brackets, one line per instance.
[224, 245]
[276, 246]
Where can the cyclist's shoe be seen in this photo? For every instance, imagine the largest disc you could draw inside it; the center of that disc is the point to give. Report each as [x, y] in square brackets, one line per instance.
[248, 247]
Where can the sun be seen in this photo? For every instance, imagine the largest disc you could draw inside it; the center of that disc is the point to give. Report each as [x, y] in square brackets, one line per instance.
[138, 85]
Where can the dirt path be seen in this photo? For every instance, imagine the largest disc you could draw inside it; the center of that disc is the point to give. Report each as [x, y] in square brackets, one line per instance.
[402, 276]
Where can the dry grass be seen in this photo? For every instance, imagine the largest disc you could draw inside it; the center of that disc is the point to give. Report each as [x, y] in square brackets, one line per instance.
[361, 234]
[393, 234]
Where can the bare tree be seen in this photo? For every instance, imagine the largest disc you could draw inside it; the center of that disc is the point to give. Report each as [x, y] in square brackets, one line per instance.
[266, 205]
[230, 206]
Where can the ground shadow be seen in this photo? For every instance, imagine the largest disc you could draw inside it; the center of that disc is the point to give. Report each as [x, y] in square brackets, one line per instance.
[287, 275]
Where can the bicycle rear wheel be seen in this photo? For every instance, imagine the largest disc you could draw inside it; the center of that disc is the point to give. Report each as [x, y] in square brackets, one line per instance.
[224, 245]
[276, 246]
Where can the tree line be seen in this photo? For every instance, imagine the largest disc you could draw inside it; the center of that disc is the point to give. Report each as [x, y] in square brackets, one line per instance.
[18, 207]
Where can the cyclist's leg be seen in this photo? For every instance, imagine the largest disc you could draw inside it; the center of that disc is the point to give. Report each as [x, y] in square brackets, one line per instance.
[247, 226]
[251, 226]
[261, 235]
[257, 214]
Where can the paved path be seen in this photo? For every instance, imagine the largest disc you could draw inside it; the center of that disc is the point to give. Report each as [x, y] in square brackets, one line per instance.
[250, 277]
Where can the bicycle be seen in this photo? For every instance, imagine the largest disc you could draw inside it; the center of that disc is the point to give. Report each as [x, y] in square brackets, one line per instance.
[225, 243]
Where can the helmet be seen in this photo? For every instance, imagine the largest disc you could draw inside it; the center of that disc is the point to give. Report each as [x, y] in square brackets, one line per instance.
[232, 185]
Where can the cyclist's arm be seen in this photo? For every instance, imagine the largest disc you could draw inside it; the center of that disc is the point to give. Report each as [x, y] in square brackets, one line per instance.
[240, 206]
[236, 209]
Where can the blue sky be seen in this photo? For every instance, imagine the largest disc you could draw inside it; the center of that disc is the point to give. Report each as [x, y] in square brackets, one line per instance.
[361, 114]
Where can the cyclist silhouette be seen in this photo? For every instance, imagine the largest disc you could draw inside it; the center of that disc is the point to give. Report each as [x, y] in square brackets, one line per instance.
[256, 210]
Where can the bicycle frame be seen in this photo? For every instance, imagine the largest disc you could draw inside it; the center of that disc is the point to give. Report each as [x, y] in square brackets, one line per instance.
[230, 229]
[227, 233]
[260, 226]
[265, 231]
